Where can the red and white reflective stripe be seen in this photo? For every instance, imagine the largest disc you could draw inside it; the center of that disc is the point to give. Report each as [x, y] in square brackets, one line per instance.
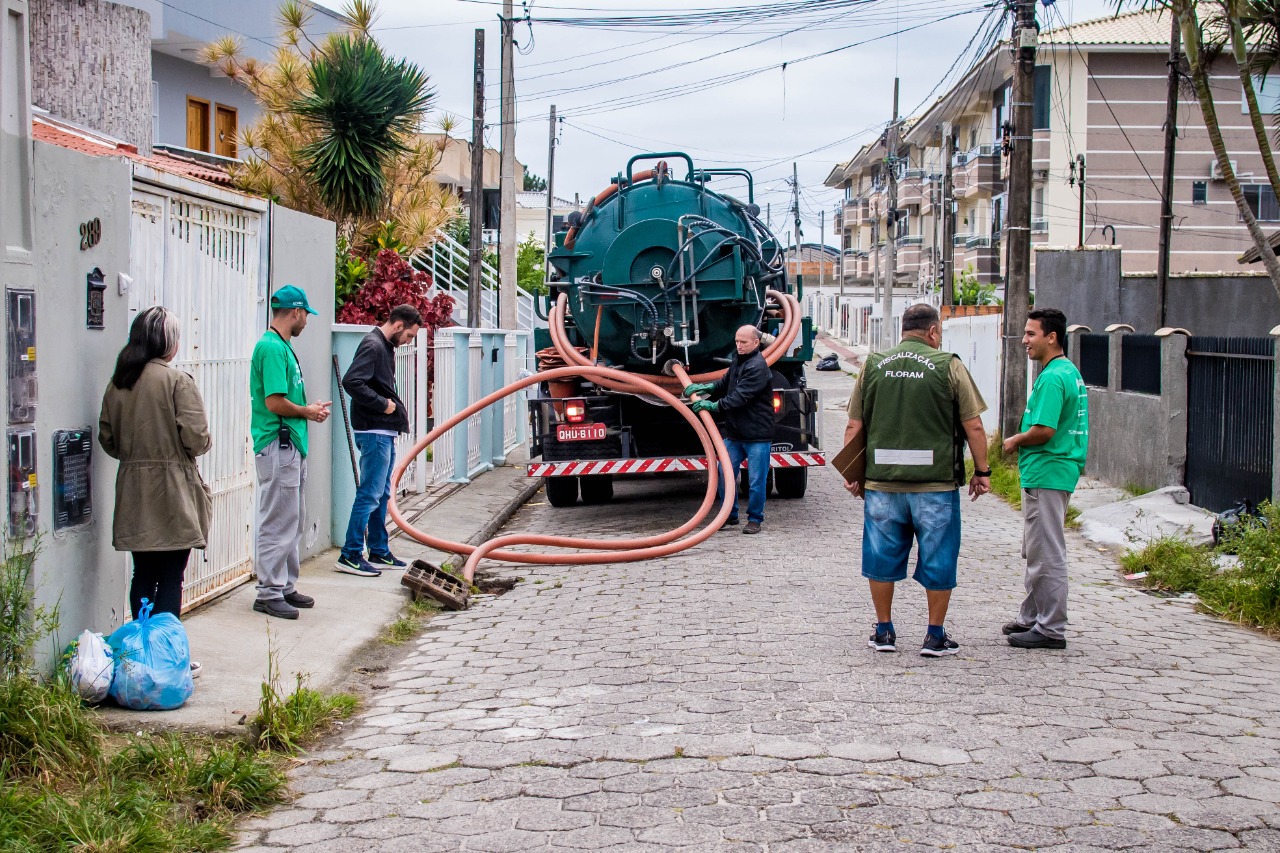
[660, 465]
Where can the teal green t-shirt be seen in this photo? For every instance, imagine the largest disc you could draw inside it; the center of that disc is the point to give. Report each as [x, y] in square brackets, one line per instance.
[1059, 399]
[275, 370]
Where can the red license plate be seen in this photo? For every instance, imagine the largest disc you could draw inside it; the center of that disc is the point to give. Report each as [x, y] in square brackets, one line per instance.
[580, 432]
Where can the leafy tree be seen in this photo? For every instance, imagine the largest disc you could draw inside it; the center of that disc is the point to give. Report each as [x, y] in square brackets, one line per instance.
[969, 291]
[1228, 21]
[530, 273]
[338, 137]
[534, 184]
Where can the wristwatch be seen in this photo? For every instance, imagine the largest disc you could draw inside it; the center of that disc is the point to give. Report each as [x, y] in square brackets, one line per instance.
[977, 473]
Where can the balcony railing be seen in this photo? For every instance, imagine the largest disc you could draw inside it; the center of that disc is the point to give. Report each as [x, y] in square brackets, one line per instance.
[978, 243]
[961, 239]
[911, 240]
[988, 149]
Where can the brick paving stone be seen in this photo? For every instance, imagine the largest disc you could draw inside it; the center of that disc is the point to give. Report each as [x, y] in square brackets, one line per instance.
[724, 698]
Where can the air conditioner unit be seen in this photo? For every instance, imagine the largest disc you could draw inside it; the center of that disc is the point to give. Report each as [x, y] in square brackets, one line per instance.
[1215, 171]
[1039, 175]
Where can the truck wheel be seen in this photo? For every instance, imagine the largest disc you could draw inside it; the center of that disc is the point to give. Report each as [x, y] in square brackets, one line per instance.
[597, 489]
[561, 491]
[791, 482]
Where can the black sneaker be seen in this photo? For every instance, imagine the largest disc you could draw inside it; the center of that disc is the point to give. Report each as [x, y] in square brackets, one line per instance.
[297, 599]
[356, 566]
[1014, 627]
[936, 647]
[883, 641]
[1033, 639]
[729, 522]
[276, 607]
[386, 561]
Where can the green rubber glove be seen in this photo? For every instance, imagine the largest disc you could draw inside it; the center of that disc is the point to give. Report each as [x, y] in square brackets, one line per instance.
[698, 388]
[706, 406]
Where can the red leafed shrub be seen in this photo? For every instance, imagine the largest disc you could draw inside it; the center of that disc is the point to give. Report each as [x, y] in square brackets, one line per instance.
[395, 282]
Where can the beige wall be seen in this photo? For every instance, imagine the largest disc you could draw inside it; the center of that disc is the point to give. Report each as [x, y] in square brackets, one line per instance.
[455, 165]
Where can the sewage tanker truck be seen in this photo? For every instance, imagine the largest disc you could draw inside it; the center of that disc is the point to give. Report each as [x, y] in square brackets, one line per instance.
[660, 267]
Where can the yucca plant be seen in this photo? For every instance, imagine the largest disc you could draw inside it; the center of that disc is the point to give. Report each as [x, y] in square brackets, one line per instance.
[361, 108]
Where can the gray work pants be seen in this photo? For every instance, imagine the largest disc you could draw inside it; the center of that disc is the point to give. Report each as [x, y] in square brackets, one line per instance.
[282, 474]
[1044, 545]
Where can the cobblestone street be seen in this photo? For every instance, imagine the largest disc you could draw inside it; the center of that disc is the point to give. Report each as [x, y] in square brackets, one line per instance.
[725, 699]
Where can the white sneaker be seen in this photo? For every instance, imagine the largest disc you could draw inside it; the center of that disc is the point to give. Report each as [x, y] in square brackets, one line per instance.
[195, 669]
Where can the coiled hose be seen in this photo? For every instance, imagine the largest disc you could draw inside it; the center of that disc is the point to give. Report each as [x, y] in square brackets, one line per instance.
[606, 550]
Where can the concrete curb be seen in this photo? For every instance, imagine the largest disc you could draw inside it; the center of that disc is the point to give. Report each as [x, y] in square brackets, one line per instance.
[504, 515]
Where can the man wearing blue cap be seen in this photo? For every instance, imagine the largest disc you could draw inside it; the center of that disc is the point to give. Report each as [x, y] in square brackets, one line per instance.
[279, 428]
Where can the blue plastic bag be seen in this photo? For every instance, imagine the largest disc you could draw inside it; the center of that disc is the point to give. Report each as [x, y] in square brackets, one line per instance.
[153, 662]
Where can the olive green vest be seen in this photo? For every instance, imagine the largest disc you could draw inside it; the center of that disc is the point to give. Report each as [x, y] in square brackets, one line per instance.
[910, 415]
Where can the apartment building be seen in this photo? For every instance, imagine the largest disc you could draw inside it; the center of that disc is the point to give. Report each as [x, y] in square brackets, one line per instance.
[1100, 89]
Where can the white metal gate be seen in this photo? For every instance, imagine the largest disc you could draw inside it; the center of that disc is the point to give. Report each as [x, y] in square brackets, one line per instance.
[201, 260]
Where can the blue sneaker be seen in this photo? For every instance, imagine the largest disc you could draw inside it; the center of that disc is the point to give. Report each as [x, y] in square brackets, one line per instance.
[356, 566]
[387, 561]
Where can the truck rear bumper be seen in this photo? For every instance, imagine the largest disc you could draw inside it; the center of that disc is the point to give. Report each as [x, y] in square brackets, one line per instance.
[661, 465]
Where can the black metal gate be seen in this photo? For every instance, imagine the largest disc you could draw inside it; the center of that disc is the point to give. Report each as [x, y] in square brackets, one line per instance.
[1230, 420]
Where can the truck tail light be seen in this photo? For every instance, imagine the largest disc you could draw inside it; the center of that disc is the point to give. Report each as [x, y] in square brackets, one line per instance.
[777, 401]
[575, 411]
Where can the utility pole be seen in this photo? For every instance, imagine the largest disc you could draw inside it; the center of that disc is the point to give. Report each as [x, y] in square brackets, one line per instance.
[1077, 165]
[875, 259]
[1166, 191]
[891, 274]
[1017, 288]
[948, 221]
[507, 236]
[795, 209]
[551, 189]
[475, 278]
[822, 241]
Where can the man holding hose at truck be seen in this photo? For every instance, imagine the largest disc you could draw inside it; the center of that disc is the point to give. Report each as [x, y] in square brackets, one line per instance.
[744, 395]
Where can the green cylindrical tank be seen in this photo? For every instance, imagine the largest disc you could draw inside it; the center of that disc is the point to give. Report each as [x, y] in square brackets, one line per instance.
[666, 268]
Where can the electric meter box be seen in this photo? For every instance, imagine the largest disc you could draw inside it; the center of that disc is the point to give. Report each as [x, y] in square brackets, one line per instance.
[23, 486]
[21, 349]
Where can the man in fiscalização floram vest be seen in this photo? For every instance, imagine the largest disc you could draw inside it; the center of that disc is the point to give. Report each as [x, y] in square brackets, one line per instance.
[919, 406]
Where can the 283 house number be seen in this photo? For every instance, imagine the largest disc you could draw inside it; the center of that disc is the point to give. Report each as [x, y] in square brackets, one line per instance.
[90, 233]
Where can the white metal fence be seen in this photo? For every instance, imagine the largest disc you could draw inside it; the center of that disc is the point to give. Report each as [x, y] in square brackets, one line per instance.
[200, 260]
[976, 340]
[470, 364]
[448, 262]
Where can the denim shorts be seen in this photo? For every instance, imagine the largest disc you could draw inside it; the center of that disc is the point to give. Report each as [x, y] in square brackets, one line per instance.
[892, 520]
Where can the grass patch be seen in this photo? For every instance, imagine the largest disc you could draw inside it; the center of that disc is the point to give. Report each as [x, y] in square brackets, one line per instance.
[409, 622]
[1248, 593]
[284, 723]
[1171, 563]
[1133, 490]
[66, 784]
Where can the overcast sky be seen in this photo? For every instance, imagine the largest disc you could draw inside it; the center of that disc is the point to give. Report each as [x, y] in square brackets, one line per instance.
[763, 122]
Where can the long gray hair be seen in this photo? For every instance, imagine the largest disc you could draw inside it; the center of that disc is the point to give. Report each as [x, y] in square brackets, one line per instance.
[154, 334]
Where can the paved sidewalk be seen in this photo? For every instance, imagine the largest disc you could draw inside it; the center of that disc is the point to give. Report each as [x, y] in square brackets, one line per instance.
[724, 699]
[329, 641]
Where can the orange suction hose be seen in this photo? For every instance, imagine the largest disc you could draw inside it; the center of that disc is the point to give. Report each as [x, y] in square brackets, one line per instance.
[790, 329]
[611, 550]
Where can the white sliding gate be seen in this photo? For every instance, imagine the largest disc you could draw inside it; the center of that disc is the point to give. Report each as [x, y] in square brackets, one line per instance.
[201, 260]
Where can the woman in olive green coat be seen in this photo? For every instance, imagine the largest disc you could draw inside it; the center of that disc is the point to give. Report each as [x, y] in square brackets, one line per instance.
[153, 421]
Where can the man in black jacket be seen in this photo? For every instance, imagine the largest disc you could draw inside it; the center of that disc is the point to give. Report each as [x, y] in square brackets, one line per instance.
[744, 395]
[377, 416]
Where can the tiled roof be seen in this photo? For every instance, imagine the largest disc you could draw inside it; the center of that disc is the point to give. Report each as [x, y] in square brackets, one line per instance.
[1146, 27]
[88, 143]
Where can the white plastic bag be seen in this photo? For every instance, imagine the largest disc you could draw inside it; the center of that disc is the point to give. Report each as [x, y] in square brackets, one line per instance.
[92, 667]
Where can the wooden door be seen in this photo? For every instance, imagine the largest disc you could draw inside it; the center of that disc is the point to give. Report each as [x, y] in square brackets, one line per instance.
[224, 131]
[197, 124]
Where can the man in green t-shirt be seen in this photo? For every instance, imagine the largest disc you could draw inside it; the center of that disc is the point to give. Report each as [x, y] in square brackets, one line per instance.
[278, 424]
[1051, 448]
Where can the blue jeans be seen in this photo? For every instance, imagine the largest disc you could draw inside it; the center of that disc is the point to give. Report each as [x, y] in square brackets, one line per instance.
[369, 512]
[893, 519]
[757, 455]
